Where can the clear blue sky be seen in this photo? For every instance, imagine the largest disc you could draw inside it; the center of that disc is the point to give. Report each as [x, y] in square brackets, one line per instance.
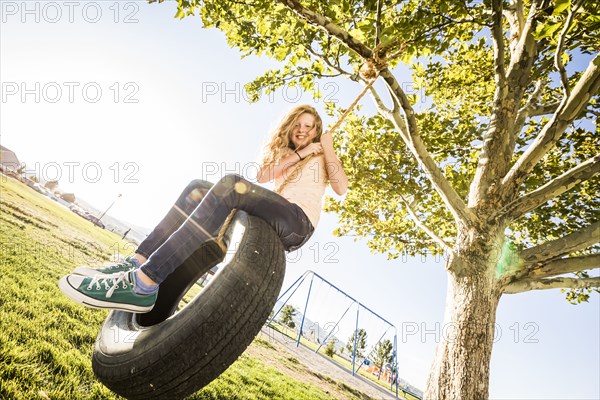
[191, 120]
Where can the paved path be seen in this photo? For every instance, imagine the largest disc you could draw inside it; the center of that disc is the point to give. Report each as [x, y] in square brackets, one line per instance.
[325, 366]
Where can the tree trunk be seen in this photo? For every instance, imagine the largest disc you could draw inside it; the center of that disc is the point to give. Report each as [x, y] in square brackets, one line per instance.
[462, 361]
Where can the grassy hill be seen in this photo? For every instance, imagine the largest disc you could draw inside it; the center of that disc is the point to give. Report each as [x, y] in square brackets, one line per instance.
[46, 340]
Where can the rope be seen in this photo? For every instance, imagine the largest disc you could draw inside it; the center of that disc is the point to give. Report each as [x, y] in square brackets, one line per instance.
[354, 103]
[224, 227]
[370, 72]
[367, 71]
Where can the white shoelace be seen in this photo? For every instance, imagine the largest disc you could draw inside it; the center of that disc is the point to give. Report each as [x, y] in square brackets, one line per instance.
[120, 263]
[110, 282]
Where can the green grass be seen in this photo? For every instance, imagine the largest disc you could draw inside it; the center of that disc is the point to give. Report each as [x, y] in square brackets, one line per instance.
[46, 340]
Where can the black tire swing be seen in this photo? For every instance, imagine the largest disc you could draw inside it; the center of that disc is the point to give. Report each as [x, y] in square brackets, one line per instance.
[163, 354]
[170, 354]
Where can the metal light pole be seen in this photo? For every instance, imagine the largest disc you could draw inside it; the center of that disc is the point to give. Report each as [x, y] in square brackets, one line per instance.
[100, 217]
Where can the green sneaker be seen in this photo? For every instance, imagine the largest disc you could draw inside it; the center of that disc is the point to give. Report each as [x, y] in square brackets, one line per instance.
[114, 291]
[125, 265]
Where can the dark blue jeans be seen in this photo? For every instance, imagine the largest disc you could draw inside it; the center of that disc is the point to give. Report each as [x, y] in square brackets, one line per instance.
[199, 213]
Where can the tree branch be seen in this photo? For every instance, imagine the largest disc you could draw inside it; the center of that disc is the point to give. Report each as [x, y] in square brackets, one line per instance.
[518, 75]
[409, 132]
[378, 24]
[550, 190]
[515, 15]
[545, 260]
[525, 111]
[544, 109]
[354, 77]
[425, 228]
[414, 142]
[542, 284]
[558, 63]
[510, 85]
[521, 58]
[325, 59]
[570, 243]
[409, 207]
[563, 266]
[380, 105]
[331, 28]
[396, 109]
[498, 39]
[541, 69]
[569, 109]
[286, 78]
[550, 108]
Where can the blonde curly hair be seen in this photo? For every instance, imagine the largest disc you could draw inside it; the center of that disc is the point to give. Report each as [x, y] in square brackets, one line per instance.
[279, 144]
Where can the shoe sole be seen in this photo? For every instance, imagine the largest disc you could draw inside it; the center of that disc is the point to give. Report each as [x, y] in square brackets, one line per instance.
[80, 298]
[87, 271]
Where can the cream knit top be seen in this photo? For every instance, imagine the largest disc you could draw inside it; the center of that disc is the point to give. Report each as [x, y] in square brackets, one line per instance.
[307, 188]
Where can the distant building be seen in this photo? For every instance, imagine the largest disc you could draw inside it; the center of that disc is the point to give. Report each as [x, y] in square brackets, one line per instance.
[9, 163]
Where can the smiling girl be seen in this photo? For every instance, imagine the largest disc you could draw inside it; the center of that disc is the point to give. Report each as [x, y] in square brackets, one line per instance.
[292, 210]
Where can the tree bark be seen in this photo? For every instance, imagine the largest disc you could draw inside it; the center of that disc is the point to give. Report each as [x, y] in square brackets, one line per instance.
[409, 133]
[569, 109]
[554, 188]
[563, 266]
[552, 283]
[578, 240]
[461, 366]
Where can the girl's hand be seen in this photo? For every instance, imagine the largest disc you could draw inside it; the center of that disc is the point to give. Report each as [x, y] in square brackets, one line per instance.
[327, 140]
[312, 148]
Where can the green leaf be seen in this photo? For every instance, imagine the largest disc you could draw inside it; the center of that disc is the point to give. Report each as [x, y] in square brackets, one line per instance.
[546, 30]
[560, 6]
[452, 95]
[180, 13]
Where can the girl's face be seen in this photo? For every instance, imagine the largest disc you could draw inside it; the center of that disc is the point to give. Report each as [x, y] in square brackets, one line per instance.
[303, 131]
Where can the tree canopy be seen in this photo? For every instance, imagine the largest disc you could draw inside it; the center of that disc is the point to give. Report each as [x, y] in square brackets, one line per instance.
[361, 343]
[382, 354]
[423, 151]
[492, 161]
[287, 316]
